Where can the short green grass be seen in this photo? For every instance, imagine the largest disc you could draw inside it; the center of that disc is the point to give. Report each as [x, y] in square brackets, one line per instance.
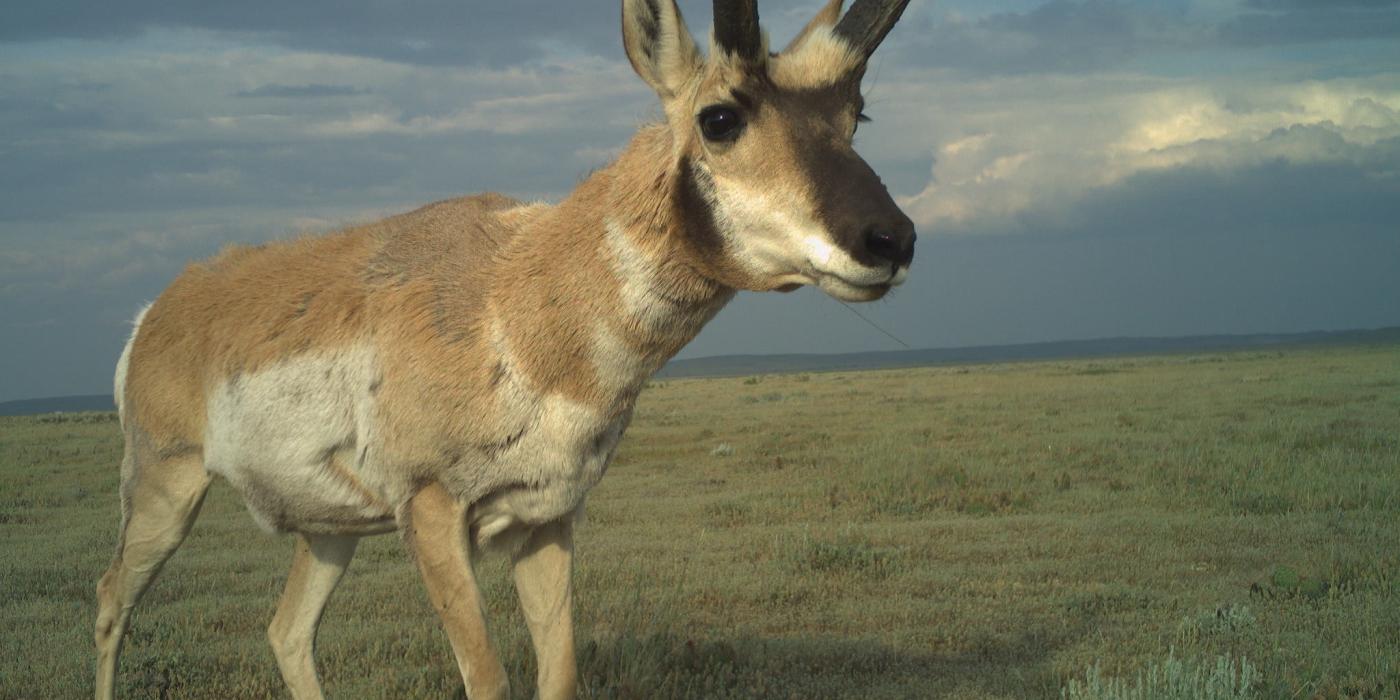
[1130, 528]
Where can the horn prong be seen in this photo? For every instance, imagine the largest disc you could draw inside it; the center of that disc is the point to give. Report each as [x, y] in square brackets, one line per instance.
[736, 27]
[868, 21]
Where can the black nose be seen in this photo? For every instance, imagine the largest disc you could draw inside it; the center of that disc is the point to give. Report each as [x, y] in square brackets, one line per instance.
[892, 245]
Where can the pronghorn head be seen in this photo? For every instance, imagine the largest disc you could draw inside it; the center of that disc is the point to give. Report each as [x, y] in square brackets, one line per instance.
[763, 146]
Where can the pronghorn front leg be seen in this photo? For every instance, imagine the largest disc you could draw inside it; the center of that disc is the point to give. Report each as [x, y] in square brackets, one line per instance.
[317, 566]
[543, 572]
[437, 535]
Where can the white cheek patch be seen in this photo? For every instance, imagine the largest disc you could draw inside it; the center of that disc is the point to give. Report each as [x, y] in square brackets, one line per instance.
[819, 252]
[830, 260]
[778, 238]
[765, 230]
[775, 237]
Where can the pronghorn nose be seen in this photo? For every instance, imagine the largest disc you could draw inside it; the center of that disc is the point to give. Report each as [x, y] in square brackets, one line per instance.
[893, 244]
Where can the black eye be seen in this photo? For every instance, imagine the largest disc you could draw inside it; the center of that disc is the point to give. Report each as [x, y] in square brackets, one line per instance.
[720, 123]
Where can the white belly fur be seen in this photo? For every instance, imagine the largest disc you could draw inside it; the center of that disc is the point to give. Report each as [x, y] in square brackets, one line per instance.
[289, 438]
[297, 440]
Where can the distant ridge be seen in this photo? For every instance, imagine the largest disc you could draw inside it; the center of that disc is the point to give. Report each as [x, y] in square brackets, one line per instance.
[56, 404]
[739, 365]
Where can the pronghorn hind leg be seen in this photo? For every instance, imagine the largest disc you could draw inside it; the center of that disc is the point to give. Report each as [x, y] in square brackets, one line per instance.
[161, 499]
[543, 572]
[437, 535]
[317, 566]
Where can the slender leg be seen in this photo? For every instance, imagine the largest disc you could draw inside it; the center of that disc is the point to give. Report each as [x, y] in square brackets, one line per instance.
[437, 536]
[317, 566]
[163, 500]
[543, 571]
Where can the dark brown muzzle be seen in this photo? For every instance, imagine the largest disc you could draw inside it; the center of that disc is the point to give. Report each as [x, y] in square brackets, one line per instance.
[859, 211]
[892, 242]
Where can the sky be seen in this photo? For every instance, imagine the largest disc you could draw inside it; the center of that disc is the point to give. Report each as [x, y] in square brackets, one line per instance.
[1076, 169]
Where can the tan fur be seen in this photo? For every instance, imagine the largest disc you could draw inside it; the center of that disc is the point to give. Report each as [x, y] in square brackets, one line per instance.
[825, 19]
[317, 566]
[817, 58]
[542, 571]
[435, 534]
[463, 372]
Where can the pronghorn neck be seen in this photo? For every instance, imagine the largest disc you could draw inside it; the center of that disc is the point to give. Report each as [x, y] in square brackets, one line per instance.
[661, 238]
[594, 295]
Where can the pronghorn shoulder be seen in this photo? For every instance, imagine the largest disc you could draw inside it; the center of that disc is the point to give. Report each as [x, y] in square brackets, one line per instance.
[458, 236]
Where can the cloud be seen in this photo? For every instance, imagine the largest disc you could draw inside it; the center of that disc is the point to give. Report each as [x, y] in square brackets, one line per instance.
[1313, 22]
[516, 114]
[1089, 36]
[158, 92]
[1014, 165]
[155, 128]
[436, 32]
[1274, 198]
[1319, 5]
[429, 32]
[300, 91]
[1057, 36]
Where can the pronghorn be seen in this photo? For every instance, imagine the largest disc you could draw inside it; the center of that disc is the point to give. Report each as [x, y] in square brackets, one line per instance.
[462, 373]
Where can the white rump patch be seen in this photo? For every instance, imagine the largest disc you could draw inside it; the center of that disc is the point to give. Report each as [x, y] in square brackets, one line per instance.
[124, 362]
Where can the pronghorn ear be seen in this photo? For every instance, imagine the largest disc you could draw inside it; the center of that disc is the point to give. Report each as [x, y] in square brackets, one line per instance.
[658, 44]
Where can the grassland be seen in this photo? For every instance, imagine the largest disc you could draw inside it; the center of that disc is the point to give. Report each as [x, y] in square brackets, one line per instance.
[997, 531]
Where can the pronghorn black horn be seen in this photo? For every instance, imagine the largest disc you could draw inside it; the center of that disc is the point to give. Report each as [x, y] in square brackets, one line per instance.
[868, 21]
[736, 27]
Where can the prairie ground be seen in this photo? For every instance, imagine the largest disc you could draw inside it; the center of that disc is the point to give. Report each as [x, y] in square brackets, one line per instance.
[997, 531]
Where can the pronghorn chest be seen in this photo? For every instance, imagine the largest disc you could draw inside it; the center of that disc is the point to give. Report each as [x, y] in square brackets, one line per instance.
[544, 471]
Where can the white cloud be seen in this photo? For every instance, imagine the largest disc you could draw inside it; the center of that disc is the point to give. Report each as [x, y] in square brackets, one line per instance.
[1004, 147]
[515, 114]
[163, 92]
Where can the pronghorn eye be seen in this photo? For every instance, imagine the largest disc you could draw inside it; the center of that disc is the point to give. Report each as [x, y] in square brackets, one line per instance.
[720, 123]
